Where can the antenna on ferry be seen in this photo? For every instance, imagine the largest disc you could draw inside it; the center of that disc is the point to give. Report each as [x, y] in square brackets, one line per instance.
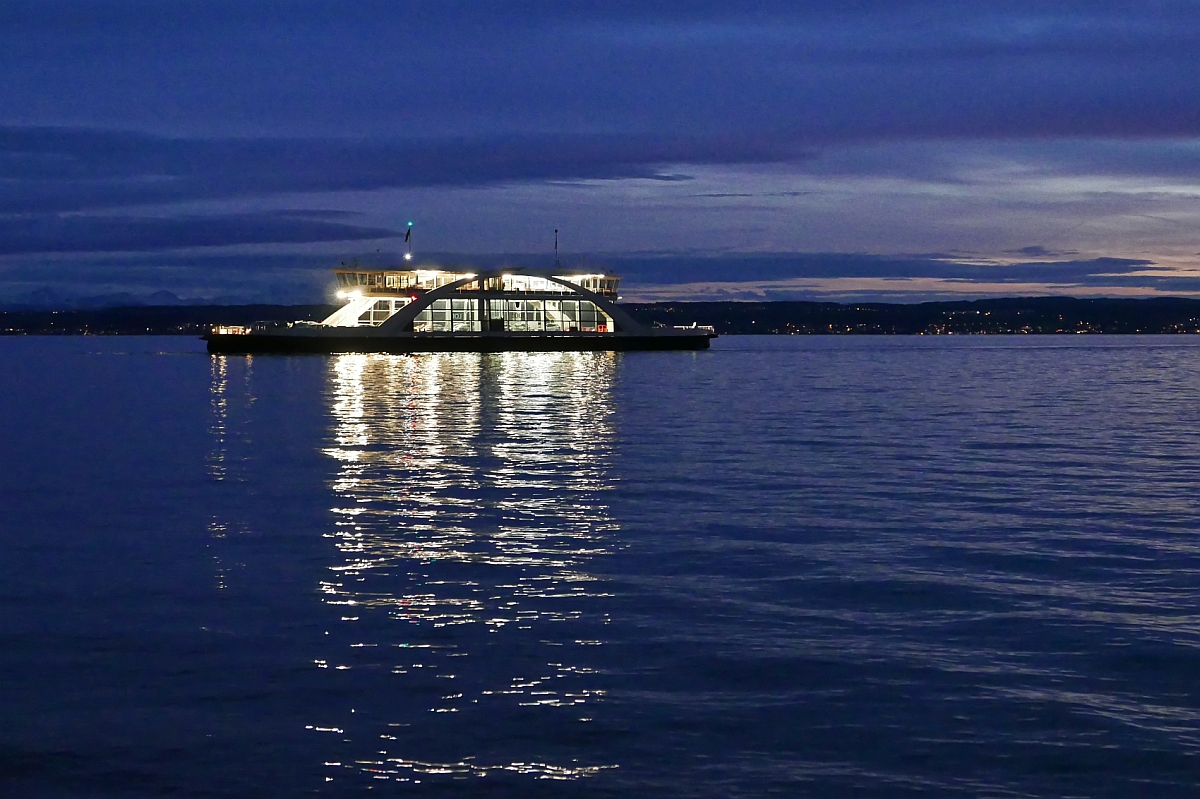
[408, 241]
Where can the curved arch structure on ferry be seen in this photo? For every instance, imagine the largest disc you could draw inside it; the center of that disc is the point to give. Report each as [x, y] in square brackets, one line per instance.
[404, 319]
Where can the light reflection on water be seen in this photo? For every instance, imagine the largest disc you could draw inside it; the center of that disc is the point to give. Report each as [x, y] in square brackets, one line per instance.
[470, 497]
[230, 395]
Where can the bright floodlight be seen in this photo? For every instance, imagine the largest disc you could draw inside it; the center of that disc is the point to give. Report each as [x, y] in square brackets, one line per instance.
[408, 256]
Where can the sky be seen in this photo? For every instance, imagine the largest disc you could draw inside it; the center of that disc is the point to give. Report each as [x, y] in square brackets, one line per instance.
[872, 150]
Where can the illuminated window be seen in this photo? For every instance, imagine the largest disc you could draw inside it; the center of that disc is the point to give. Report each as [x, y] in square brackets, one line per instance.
[381, 311]
[443, 316]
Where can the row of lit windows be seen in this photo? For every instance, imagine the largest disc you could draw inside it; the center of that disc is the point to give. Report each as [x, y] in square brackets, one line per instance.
[381, 281]
[349, 280]
[517, 315]
[531, 283]
[598, 283]
[433, 279]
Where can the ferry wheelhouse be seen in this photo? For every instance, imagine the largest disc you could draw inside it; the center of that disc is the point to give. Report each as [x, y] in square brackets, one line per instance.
[431, 310]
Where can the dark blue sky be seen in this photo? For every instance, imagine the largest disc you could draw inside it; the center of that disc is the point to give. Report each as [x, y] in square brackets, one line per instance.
[240, 149]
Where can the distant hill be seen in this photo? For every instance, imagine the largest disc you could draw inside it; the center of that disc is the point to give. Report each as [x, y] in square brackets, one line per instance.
[47, 299]
[158, 320]
[1009, 315]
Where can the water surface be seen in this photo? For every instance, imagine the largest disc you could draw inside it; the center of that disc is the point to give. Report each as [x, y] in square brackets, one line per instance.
[802, 566]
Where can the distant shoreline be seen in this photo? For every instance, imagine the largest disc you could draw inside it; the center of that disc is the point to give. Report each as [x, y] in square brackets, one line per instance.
[1000, 316]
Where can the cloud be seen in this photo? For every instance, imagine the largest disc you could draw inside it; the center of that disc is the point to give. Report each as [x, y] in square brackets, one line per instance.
[819, 72]
[859, 277]
[70, 279]
[897, 290]
[667, 269]
[851, 276]
[1048, 132]
[53, 169]
[25, 234]
[289, 278]
[1038, 251]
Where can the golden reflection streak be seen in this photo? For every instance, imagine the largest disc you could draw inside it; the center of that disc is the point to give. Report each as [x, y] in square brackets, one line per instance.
[219, 416]
[231, 396]
[218, 432]
[228, 401]
[494, 461]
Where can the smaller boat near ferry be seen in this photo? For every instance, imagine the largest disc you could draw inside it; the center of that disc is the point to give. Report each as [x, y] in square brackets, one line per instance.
[435, 310]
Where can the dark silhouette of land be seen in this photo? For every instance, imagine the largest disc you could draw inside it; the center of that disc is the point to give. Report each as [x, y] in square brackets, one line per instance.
[152, 320]
[992, 316]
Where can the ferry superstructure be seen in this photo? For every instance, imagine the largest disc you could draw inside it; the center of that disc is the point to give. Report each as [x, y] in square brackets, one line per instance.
[436, 310]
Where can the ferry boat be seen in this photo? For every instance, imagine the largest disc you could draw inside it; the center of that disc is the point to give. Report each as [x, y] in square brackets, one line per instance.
[435, 310]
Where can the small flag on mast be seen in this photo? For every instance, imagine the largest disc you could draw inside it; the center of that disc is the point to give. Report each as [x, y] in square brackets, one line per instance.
[407, 233]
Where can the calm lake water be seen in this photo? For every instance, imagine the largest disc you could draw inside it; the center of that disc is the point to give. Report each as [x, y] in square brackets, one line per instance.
[868, 567]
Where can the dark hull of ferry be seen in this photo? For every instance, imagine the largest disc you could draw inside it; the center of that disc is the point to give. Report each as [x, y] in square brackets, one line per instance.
[252, 343]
